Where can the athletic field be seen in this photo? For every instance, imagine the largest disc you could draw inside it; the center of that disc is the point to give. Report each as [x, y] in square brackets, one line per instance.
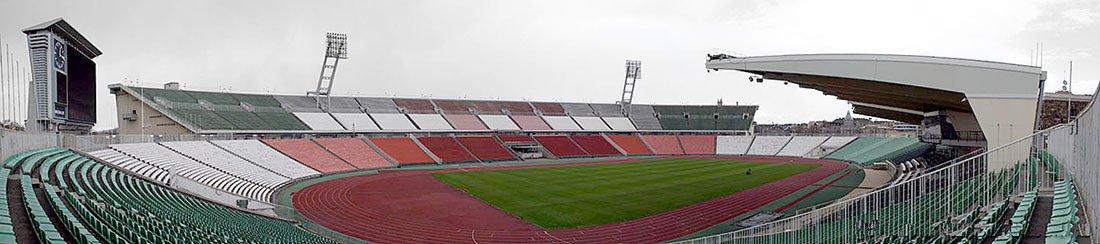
[586, 195]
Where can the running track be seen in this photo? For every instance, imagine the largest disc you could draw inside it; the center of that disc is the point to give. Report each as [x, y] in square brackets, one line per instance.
[411, 206]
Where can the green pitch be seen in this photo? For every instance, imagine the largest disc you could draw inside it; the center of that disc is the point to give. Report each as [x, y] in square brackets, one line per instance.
[584, 195]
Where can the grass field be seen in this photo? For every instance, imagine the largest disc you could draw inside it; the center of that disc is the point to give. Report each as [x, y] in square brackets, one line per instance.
[584, 195]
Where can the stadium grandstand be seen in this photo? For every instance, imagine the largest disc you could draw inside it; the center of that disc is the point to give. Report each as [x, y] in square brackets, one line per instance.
[189, 166]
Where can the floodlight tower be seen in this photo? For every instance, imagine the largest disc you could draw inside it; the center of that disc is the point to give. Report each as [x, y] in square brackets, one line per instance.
[633, 73]
[336, 50]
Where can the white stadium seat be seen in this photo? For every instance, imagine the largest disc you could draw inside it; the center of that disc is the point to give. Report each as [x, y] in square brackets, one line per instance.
[393, 122]
[767, 145]
[319, 121]
[215, 157]
[182, 166]
[356, 121]
[830, 145]
[498, 122]
[561, 123]
[267, 157]
[732, 145]
[620, 123]
[801, 145]
[591, 123]
[431, 122]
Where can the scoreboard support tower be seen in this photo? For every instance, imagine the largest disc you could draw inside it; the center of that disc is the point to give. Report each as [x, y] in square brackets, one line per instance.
[62, 93]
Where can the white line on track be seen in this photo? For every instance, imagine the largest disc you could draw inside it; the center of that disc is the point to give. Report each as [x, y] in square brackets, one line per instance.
[555, 238]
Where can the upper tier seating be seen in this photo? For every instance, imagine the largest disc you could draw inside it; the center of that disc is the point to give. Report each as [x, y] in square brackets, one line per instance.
[671, 117]
[595, 145]
[377, 105]
[415, 106]
[561, 146]
[703, 144]
[447, 149]
[643, 117]
[619, 123]
[278, 119]
[132, 164]
[215, 157]
[356, 121]
[608, 110]
[430, 122]
[498, 122]
[319, 121]
[393, 122]
[164, 158]
[483, 107]
[355, 151]
[516, 139]
[767, 145]
[701, 117]
[591, 123]
[549, 109]
[342, 105]
[530, 122]
[299, 104]
[222, 111]
[664, 144]
[830, 145]
[402, 149]
[631, 144]
[485, 148]
[258, 152]
[95, 203]
[578, 109]
[465, 122]
[257, 100]
[801, 145]
[733, 145]
[309, 153]
[561, 123]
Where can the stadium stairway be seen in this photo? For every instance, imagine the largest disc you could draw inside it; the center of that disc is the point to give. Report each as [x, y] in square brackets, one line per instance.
[63, 197]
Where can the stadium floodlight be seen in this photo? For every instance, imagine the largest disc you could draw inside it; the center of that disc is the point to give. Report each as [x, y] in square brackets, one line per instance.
[335, 50]
[337, 45]
[633, 73]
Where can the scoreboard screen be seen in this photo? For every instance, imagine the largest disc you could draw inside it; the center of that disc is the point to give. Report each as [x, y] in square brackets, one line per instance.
[76, 90]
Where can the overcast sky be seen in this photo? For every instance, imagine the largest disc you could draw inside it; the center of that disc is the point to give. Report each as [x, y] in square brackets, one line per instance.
[549, 50]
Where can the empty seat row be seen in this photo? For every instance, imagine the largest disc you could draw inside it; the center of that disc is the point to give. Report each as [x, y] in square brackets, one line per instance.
[183, 166]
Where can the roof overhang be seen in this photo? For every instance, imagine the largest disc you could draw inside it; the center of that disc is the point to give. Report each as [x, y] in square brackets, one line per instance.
[62, 28]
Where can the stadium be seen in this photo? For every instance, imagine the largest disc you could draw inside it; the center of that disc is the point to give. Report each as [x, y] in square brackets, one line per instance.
[991, 161]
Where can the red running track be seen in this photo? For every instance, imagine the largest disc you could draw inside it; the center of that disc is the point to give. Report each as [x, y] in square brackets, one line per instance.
[411, 206]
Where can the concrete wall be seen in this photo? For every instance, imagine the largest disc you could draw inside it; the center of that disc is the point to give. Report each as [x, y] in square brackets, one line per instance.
[155, 123]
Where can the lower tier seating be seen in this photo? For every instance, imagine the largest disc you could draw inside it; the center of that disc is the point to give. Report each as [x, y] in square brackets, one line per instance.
[197, 171]
[595, 145]
[664, 144]
[733, 145]
[631, 144]
[355, 151]
[697, 144]
[485, 148]
[310, 154]
[402, 149]
[560, 146]
[447, 149]
[267, 157]
[768, 145]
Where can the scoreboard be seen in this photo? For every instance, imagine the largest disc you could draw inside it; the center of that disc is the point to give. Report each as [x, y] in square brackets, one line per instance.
[64, 82]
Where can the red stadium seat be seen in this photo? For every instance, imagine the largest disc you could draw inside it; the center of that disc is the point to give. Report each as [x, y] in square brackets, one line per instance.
[415, 106]
[632, 144]
[308, 153]
[447, 149]
[561, 146]
[596, 145]
[402, 149]
[355, 151]
[697, 144]
[530, 122]
[664, 144]
[515, 139]
[485, 148]
[465, 122]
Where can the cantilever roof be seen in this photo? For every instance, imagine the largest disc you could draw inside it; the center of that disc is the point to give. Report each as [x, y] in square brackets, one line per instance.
[67, 31]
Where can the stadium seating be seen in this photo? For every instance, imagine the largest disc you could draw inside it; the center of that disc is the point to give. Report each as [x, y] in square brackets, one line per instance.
[485, 148]
[377, 105]
[530, 122]
[1063, 215]
[595, 145]
[733, 145]
[186, 167]
[355, 151]
[608, 110]
[830, 145]
[561, 146]
[578, 109]
[119, 208]
[868, 150]
[398, 122]
[735, 117]
[498, 122]
[213, 156]
[664, 144]
[447, 149]
[240, 118]
[591, 123]
[549, 109]
[277, 119]
[619, 123]
[643, 117]
[309, 153]
[703, 144]
[767, 145]
[257, 152]
[672, 117]
[139, 167]
[430, 122]
[402, 149]
[801, 145]
[299, 104]
[631, 144]
[257, 100]
[857, 147]
[516, 139]
[483, 107]
[561, 123]
[223, 111]
[415, 106]
[465, 122]
[342, 105]
[319, 121]
[356, 121]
